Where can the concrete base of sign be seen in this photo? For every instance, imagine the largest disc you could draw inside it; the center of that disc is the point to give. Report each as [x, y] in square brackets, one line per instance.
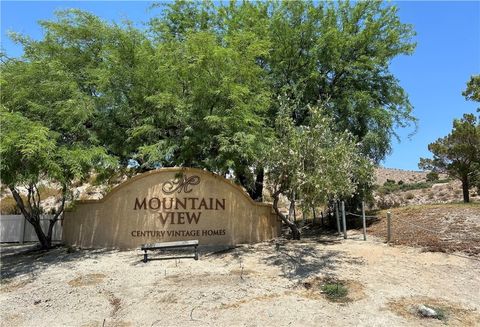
[171, 204]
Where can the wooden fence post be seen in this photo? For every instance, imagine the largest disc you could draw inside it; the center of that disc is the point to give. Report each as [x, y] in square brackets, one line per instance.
[364, 222]
[337, 216]
[389, 224]
[344, 221]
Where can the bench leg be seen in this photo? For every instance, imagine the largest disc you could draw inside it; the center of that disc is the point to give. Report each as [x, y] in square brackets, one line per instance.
[196, 253]
[145, 259]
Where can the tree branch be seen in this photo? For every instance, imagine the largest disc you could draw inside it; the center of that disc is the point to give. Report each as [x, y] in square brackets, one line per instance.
[20, 204]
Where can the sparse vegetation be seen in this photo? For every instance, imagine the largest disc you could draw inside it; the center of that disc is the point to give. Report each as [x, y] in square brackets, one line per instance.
[8, 206]
[427, 226]
[390, 186]
[335, 291]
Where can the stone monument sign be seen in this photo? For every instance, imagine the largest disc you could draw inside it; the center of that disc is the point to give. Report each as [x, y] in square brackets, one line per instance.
[170, 204]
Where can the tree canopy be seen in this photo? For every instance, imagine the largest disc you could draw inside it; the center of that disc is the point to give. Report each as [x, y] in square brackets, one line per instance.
[472, 91]
[313, 161]
[45, 136]
[458, 153]
[203, 84]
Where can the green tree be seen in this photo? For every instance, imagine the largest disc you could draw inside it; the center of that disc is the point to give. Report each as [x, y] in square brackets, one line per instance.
[45, 136]
[202, 86]
[111, 64]
[458, 153]
[336, 53]
[313, 160]
[168, 101]
[209, 107]
[473, 89]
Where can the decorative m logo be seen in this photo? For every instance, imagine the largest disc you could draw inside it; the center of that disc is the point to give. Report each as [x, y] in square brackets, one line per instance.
[181, 183]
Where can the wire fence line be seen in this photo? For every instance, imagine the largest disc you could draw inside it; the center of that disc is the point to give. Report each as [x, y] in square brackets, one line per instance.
[355, 214]
[443, 238]
[339, 213]
[441, 233]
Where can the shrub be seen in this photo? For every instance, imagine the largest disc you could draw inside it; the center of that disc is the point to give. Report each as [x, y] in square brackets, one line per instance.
[335, 291]
[409, 196]
[400, 182]
[432, 176]
[389, 187]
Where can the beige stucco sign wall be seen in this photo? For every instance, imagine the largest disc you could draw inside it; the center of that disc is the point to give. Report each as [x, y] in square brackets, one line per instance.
[170, 204]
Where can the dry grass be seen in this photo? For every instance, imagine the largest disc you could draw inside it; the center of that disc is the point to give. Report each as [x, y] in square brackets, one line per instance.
[46, 192]
[8, 206]
[437, 228]
[87, 280]
[7, 286]
[249, 300]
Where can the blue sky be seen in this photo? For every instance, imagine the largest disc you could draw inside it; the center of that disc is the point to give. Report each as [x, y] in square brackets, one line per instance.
[447, 54]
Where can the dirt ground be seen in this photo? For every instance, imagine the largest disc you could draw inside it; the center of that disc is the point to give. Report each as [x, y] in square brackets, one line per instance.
[273, 283]
[439, 228]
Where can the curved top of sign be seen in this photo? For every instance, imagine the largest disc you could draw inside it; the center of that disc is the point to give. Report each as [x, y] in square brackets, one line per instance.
[170, 186]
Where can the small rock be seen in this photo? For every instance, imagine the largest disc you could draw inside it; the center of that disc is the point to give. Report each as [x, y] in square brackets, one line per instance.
[426, 311]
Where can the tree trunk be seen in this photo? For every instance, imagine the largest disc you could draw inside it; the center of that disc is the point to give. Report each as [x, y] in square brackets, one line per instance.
[50, 230]
[33, 218]
[257, 192]
[465, 188]
[57, 215]
[291, 225]
[291, 209]
[45, 242]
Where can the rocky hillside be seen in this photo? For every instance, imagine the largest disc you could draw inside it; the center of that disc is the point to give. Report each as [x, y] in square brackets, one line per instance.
[397, 175]
[398, 188]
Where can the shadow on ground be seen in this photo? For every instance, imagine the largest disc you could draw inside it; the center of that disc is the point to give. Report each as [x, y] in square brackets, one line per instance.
[305, 258]
[28, 260]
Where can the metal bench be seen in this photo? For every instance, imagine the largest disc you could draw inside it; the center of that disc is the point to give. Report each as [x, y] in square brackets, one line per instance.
[170, 245]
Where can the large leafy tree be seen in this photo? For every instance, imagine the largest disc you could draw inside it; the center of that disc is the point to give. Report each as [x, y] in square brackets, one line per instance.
[45, 136]
[202, 86]
[334, 53]
[458, 153]
[209, 108]
[164, 101]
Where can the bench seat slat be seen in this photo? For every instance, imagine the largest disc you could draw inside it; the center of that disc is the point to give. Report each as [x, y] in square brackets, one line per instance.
[170, 245]
[166, 245]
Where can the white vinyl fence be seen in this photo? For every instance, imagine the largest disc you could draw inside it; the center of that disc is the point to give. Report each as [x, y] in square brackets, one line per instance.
[14, 228]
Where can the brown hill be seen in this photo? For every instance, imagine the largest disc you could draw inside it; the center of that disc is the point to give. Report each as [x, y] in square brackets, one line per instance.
[412, 188]
[406, 176]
